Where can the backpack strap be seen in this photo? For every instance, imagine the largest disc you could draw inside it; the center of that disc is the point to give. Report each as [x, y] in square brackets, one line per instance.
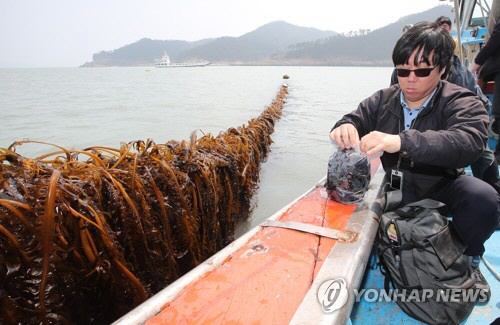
[393, 199]
[428, 203]
[387, 281]
[424, 204]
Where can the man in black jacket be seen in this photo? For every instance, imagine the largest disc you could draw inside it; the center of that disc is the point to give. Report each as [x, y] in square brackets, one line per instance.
[428, 130]
[485, 167]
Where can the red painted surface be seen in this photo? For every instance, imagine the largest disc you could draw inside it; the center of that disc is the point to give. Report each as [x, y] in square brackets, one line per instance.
[337, 215]
[489, 87]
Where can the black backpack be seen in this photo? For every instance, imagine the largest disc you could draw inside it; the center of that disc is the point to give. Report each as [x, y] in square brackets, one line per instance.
[422, 258]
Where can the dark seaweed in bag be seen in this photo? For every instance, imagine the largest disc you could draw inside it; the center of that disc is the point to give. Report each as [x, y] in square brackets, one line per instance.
[348, 175]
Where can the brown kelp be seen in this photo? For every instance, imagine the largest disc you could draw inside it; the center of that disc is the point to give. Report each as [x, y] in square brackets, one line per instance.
[86, 235]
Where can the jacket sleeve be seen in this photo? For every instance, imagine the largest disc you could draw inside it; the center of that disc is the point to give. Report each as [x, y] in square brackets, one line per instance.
[364, 117]
[459, 143]
[491, 47]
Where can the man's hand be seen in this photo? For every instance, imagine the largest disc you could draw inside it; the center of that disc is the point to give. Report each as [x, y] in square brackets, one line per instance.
[375, 142]
[475, 69]
[346, 136]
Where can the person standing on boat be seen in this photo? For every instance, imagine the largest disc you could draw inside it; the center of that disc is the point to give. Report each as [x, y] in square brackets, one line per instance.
[486, 166]
[428, 129]
[487, 64]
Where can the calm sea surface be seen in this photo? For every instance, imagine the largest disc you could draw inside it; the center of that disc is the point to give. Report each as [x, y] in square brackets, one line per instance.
[80, 107]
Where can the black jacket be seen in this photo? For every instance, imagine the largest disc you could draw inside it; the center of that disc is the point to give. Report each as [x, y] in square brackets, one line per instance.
[449, 134]
[489, 56]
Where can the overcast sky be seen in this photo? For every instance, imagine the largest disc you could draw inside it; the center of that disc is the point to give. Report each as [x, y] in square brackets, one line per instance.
[52, 33]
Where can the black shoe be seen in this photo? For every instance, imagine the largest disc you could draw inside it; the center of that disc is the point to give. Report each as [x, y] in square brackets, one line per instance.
[481, 283]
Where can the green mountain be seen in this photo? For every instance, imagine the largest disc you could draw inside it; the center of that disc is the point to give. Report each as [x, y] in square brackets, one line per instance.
[276, 43]
[255, 46]
[374, 48]
[251, 47]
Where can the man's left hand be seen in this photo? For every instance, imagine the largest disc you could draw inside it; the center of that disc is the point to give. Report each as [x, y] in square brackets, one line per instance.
[375, 142]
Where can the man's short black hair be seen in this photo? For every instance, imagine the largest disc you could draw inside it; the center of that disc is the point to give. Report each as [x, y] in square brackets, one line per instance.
[427, 38]
[444, 20]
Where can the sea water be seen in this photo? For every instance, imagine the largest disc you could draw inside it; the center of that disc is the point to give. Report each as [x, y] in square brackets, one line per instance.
[81, 107]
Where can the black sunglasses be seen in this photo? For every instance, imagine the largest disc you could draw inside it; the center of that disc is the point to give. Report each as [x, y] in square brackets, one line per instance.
[423, 72]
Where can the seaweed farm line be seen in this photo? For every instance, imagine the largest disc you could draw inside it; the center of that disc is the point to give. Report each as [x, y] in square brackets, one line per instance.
[107, 106]
[88, 234]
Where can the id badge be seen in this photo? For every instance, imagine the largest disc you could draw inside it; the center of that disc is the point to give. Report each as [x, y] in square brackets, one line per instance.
[396, 179]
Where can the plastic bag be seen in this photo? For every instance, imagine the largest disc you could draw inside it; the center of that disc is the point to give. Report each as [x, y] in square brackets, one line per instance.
[348, 175]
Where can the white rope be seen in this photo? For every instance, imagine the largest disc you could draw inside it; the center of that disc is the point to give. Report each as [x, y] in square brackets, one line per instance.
[490, 267]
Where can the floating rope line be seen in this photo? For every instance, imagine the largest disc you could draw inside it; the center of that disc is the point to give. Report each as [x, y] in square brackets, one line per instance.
[86, 235]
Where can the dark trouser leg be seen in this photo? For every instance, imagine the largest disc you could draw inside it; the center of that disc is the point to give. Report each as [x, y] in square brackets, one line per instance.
[496, 109]
[474, 206]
